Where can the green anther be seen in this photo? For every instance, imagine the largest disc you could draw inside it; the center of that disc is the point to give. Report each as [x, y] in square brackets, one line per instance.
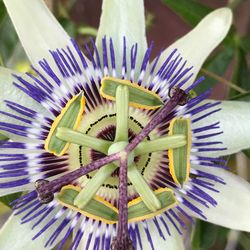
[143, 189]
[179, 158]
[76, 137]
[122, 113]
[162, 143]
[139, 97]
[97, 208]
[91, 188]
[69, 117]
[137, 210]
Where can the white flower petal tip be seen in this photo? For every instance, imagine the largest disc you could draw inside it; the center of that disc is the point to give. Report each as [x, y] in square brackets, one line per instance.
[202, 40]
[232, 210]
[16, 236]
[36, 27]
[234, 119]
[123, 19]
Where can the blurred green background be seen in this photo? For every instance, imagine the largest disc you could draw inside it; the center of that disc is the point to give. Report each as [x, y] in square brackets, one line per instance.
[227, 71]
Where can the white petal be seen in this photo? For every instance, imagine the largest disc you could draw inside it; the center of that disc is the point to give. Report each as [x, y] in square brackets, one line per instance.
[201, 41]
[11, 93]
[173, 242]
[36, 27]
[233, 209]
[16, 236]
[234, 121]
[119, 19]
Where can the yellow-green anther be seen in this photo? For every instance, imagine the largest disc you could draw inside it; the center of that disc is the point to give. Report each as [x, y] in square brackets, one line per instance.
[122, 113]
[143, 189]
[162, 143]
[79, 138]
[179, 158]
[139, 97]
[91, 188]
[137, 209]
[97, 209]
[69, 117]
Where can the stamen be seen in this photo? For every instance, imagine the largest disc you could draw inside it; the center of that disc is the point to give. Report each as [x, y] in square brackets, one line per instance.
[143, 189]
[122, 113]
[179, 158]
[139, 97]
[78, 138]
[93, 185]
[69, 117]
[159, 144]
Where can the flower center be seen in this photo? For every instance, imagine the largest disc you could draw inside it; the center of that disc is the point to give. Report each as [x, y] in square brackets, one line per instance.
[150, 202]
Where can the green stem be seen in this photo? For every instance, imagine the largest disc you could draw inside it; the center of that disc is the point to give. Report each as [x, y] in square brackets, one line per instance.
[122, 113]
[91, 188]
[72, 136]
[163, 143]
[224, 81]
[143, 189]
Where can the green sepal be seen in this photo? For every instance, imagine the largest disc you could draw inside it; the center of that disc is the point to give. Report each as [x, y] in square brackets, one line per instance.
[139, 97]
[69, 117]
[179, 158]
[137, 210]
[97, 208]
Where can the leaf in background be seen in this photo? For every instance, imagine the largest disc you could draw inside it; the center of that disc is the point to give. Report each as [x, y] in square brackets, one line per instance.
[241, 74]
[218, 65]
[245, 43]
[2, 11]
[191, 11]
[205, 235]
[7, 199]
[8, 38]
[244, 240]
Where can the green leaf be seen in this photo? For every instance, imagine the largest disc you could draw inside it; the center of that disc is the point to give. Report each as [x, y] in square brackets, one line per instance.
[218, 65]
[241, 75]
[7, 199]
[8, 38]
[205, 235]
[190, 11]
[245, 43]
